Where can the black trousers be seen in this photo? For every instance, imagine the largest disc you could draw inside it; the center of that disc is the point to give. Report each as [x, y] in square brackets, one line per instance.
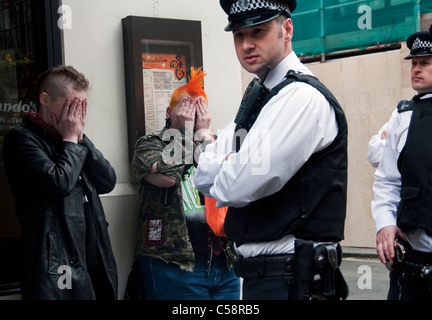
[268, 288]
[407, 287]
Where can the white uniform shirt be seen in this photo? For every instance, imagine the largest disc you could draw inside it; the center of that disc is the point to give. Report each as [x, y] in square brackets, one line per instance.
[376, 143]
[292, 126]
[387, 183]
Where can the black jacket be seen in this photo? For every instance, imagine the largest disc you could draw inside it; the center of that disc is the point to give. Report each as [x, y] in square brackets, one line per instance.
[47, 178]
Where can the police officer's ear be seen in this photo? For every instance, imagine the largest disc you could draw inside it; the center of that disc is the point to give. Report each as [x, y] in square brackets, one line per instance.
[289, 29]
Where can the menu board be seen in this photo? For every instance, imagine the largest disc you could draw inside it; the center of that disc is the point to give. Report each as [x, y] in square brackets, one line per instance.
[159, 54]
[162, 74]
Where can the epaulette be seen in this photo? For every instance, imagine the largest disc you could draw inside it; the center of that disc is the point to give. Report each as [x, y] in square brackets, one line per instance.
[404, 105]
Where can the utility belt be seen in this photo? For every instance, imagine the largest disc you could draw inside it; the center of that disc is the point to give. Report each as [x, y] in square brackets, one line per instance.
[265, 266]
[411, 262]
[314, 271]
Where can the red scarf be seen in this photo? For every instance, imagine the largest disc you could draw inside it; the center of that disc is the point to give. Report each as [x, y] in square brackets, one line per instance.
[33, 117]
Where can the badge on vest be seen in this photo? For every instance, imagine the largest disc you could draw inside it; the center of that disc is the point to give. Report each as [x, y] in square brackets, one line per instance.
[404, 105]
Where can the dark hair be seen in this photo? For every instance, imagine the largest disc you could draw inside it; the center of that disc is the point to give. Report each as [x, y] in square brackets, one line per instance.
[54, 81]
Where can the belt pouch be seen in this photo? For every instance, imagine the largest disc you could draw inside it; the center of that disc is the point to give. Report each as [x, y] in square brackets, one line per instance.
[332, 284]
[326, 262]
[304, 268]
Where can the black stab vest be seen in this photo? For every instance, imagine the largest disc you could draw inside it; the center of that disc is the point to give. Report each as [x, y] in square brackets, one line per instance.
[312, 204]
[415, 166]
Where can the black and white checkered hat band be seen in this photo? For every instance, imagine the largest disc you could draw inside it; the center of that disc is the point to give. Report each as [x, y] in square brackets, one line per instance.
[242, 6]
[421, 44]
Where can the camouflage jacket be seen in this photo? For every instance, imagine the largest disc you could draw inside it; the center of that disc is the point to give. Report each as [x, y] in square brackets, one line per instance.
[162, 230]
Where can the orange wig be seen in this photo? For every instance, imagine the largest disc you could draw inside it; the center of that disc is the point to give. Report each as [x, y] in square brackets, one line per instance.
[193, 88]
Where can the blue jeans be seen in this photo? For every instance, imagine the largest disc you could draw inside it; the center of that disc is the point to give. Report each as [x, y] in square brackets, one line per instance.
[166, 281]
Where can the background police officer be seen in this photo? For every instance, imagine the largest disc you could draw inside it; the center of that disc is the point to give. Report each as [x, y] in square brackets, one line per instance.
[401, 207]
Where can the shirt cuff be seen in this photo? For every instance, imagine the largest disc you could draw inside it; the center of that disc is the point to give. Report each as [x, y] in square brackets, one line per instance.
[384, 219]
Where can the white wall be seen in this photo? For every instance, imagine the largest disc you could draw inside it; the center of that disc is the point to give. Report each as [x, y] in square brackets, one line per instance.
[94, 46]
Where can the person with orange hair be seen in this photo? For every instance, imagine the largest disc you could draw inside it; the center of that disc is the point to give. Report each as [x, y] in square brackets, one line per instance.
[178, 255]
[193, 88]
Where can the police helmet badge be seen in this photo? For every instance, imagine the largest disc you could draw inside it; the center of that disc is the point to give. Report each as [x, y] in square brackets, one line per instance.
[243, 4]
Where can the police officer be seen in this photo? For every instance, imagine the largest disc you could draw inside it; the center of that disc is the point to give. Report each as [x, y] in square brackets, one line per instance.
[402, 197]
[285, 182]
